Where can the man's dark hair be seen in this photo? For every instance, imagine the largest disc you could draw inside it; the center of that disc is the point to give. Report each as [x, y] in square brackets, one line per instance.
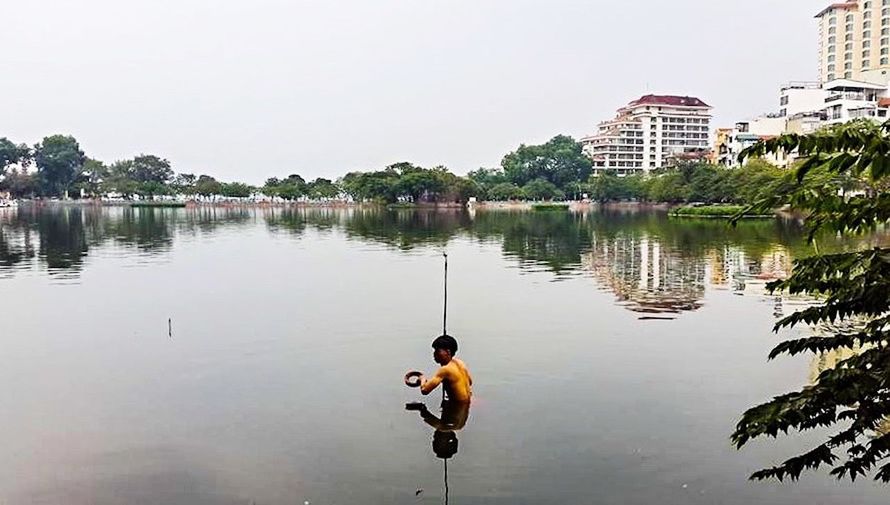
[446, 342]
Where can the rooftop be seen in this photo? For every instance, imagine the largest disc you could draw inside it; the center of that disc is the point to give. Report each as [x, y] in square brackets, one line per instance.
[845, 6]
[677, 101]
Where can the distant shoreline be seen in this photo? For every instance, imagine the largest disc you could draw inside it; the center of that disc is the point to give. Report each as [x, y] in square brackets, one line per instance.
[494, 206]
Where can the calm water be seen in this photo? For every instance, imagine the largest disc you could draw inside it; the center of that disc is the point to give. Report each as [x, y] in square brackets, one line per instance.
[612, 354]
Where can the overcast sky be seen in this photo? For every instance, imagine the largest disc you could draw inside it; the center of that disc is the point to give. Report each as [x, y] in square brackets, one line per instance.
[245, 90]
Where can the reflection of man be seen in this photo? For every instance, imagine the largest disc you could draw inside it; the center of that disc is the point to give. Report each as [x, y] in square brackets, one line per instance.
[453, 418]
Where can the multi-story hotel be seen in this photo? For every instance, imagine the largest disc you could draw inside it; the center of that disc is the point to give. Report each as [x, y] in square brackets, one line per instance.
[854, 41]
[650, 133]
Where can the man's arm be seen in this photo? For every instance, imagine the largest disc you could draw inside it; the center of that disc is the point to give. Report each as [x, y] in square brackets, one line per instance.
[427, 386]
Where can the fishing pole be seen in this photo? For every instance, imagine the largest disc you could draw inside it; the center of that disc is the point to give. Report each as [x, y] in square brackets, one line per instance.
[445, 304]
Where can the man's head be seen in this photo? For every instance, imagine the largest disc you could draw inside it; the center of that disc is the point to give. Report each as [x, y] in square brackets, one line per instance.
[444, 348]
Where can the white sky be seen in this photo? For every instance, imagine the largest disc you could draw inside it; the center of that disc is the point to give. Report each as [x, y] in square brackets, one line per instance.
[247, 90]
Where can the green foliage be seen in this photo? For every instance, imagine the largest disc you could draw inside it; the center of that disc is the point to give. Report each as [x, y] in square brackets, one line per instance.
[404, 182]
[59, 161]
[505, 191]
[854, 396]
[726, 211]
[184, 184]
[20, 183]
[550, 207]
[207, 186]
[609, 187]
[542, 189]
[322, 189]
[12, 154]
[235, 190]
[560, 162]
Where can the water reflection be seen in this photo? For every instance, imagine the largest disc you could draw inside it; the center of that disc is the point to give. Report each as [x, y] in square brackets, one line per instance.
[453, 418]
[655, 266]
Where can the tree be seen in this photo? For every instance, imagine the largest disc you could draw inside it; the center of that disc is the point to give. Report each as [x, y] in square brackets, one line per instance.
[20, 183]
[91, 177]
[207, 186]
[12, 154]
[236, 190]
[417, 184]
[184, 184]
[607, 187]
[505, 191]
[854, 287]
[59, 161]
[542, 189]
[323, 189]
[560, 161]
[150, 168]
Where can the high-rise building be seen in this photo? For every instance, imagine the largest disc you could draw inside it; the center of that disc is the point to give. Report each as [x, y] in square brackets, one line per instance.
[854, 41]
[649, 133]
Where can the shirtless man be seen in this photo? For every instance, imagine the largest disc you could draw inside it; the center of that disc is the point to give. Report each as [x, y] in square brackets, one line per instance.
[453, 374]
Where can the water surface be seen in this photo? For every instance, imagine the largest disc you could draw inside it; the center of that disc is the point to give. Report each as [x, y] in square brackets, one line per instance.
[237, 356]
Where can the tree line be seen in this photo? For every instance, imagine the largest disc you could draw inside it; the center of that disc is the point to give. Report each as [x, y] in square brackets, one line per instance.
[555, 170]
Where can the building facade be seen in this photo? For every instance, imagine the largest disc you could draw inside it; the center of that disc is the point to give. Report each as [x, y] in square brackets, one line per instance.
[854, 40]
[800, 97]
[650, 133]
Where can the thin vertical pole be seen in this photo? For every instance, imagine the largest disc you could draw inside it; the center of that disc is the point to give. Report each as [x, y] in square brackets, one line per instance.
[445, 305]
[446, 481]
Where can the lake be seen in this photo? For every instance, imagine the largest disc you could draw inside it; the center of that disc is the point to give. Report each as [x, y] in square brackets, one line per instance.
[240, 356]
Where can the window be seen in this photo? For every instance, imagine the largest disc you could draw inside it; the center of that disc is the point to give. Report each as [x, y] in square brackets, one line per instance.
[848, 46]
[866, 5]
[866, 54]
[848, 56]
[885, 11]
[848, 65]
[832, 21]
[849, 27]
[885, 32]
[885, 51]
[830, 77]
[885, 41]
[866, 15]
[848, 75]
[849, 18]
[865, 64]
[866, 44]
[831, 67]
[866, 34]
[832, 39]
[832, 30]
[885, 22]
[848, 37]
[865, 24]
[884, 60]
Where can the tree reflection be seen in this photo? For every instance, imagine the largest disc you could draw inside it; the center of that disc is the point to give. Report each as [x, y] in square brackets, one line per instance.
[653, 265]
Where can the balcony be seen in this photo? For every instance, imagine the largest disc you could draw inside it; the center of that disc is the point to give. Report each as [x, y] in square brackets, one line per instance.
[852, 95]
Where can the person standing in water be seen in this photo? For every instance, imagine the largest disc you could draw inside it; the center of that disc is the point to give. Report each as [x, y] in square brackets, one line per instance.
[453, 374]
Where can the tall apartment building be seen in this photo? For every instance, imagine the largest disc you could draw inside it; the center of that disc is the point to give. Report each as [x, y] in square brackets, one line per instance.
[650, 133]
[854, 41]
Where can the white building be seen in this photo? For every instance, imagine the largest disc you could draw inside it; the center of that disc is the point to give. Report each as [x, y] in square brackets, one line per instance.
[854, 41]
[747, 133]
[650, 133]
[846, 100]
[801, 97]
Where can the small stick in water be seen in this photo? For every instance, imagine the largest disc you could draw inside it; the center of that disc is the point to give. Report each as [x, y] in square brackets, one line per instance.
[170, 327]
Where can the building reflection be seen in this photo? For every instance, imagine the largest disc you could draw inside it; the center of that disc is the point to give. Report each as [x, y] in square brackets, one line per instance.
[650, 276]
[645, 276]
